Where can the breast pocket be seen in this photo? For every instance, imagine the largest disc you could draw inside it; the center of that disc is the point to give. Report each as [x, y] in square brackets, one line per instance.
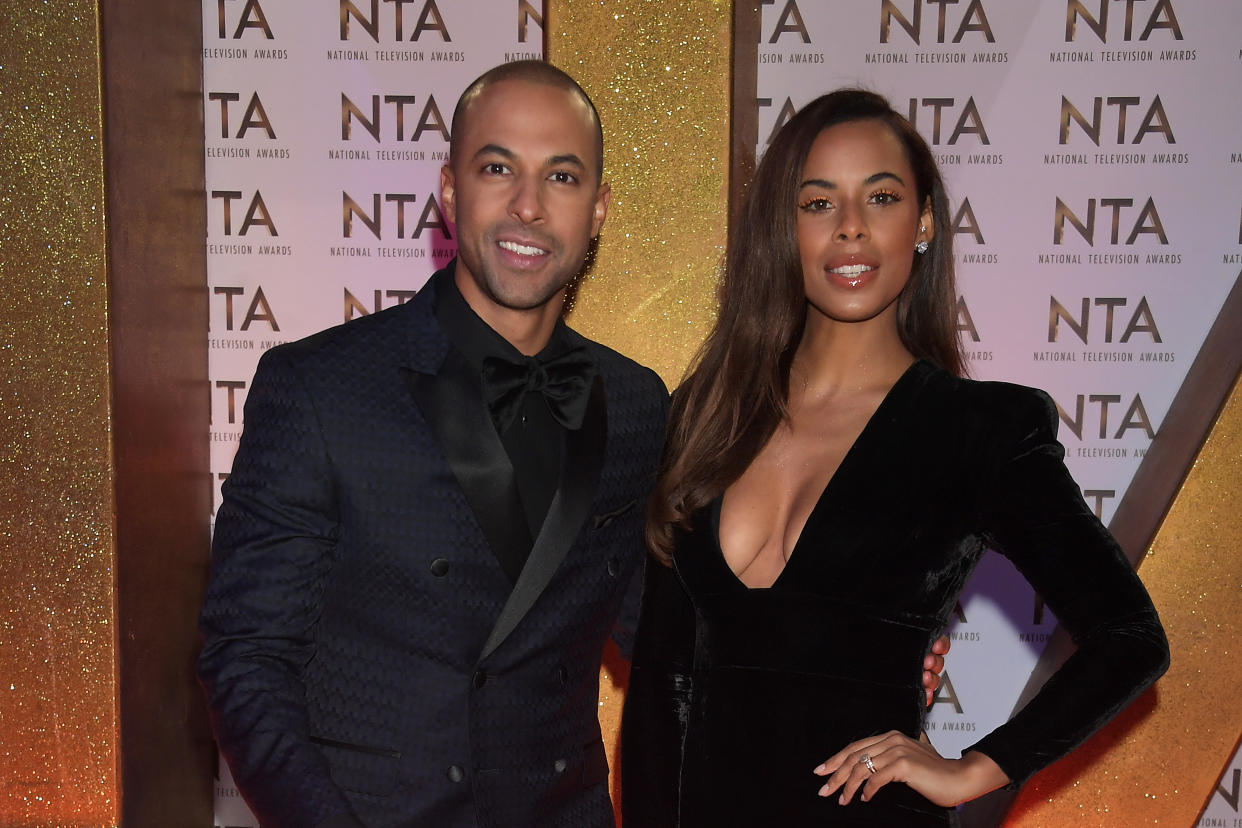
[604, 519]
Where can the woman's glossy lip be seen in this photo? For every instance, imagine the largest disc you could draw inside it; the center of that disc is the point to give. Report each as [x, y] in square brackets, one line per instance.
[851, 276]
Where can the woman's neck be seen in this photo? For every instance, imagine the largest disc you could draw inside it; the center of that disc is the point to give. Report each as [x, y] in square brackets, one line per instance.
[836, 358]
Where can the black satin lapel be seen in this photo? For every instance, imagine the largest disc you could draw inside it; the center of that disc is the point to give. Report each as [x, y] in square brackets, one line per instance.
[456, 413]
[571, 505]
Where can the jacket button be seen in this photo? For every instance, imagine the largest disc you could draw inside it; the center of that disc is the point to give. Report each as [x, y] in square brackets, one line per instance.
[559, 765]
[480, 679]
[455, 773]
[614, 566]
[439, 567]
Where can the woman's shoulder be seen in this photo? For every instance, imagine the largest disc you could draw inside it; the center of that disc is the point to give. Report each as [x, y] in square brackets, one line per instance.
[988, 404]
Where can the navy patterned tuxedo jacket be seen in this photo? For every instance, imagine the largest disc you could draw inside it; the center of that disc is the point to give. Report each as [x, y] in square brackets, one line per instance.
[367, 661]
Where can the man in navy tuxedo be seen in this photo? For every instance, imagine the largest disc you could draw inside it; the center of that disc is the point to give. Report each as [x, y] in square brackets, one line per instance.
[434, 519]
[434, 516]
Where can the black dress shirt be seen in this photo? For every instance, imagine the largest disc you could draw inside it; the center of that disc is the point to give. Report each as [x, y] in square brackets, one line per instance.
[535, 442]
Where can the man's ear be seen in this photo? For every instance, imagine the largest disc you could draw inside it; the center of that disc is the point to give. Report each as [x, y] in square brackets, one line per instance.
[448, 193]
[602, 197]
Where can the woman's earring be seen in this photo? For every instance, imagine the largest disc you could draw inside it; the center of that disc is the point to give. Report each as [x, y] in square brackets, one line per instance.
[921, 245]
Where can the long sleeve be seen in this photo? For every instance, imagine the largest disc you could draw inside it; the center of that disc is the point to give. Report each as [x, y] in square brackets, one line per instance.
[273, 546]
[657, 702]
[1036, 517]
[626, 626]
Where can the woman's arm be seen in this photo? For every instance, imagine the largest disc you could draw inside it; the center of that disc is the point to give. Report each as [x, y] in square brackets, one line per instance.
[1037, 518]
[1035, 515]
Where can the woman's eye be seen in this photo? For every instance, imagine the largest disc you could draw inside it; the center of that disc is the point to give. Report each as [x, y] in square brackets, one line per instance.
[815, 205]
[886, 198]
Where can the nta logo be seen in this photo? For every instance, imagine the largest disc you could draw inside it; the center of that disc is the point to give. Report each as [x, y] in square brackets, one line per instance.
[429, 20]
[790, 20]
[429, 117]
[430, 218]
[250, 17]
[1135, 417]
[969, 122]
[259, 309]
[1141, 321]
[1147, 223]
[1155, 119]
[255, 116]
[973, 19]
[1161, 17]
[256, 213]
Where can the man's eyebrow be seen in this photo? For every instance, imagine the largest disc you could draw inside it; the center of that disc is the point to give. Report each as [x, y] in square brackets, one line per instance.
[567, 158]
[871, 179]
[495, 149]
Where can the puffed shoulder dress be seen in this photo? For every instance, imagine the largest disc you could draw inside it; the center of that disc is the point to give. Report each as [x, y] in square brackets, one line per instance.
[736, 694]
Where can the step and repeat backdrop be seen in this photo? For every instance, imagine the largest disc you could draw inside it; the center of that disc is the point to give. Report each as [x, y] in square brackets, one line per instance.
[1093, 149]
[1093, 152]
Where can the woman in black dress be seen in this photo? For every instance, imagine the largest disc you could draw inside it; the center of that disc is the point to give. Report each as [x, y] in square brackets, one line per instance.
[829, 482]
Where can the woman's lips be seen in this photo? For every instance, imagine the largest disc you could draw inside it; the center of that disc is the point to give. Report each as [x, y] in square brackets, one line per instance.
[851, 275]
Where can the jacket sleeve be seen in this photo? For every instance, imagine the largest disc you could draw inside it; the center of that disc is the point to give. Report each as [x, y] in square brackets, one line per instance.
[653, 724]
[1036, 517]
[273, 546]
[626, 625]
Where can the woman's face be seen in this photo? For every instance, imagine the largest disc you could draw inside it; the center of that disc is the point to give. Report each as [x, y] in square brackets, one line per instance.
[858, 219]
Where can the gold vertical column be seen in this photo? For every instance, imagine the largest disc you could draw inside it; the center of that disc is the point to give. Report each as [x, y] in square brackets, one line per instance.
[58, 668]
[660, 74]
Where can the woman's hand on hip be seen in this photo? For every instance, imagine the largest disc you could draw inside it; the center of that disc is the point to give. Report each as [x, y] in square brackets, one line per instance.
[865, 766]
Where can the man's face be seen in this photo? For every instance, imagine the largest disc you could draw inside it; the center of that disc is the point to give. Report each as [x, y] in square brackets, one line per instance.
[524, 194]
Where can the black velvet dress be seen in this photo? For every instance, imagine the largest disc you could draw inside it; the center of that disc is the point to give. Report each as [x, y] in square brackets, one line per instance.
[736, 694]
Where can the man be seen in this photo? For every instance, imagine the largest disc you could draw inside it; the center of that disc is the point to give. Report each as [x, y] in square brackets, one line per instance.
[434, 516]
[410, 593]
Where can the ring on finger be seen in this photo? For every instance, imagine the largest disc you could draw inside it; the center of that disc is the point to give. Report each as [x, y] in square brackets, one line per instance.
[865, 761]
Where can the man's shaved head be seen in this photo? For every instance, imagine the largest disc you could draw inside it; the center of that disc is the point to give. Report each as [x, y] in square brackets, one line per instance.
[528, 71]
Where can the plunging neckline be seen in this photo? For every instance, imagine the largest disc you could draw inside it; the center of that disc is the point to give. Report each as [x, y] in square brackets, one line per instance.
[717, 505]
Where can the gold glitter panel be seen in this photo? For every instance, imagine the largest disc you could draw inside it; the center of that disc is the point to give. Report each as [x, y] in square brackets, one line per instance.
[659, 72]
[1161, 761]
[58, 688]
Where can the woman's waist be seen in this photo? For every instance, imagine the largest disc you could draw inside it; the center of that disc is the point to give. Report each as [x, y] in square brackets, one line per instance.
[800, 635]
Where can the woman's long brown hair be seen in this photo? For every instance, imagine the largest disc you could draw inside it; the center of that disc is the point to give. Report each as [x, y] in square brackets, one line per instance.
[737, 394]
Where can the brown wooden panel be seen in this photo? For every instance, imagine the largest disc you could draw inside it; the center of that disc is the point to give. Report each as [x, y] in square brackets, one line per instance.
[153, 141]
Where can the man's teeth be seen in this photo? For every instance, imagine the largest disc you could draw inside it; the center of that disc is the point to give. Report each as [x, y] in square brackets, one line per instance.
[522, 249]
[851, 270]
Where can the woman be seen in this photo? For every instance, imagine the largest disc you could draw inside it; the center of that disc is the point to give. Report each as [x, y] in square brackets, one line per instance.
[829, 482]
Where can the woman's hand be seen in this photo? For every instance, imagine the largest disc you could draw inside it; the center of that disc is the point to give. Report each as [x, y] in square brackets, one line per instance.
[933, 666]
[872, 763]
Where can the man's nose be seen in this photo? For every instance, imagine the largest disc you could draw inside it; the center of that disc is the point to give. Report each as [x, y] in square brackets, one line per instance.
[526, 203]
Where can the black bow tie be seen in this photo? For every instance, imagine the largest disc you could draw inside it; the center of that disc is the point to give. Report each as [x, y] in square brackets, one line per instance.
[564, 381]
